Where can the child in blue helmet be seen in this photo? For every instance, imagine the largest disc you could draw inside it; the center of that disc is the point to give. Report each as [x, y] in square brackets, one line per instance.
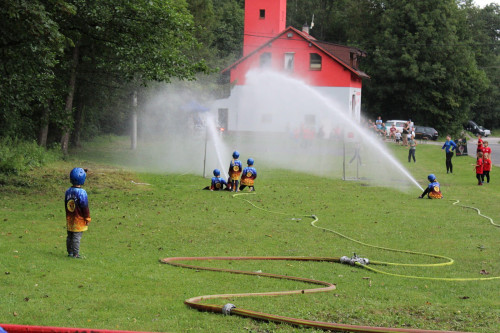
[217, 183]
[77, 211]
[234, 172]
[433, 190]
[248, 176]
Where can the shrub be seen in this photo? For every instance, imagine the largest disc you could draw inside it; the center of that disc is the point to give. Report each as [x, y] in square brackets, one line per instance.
[17, 156]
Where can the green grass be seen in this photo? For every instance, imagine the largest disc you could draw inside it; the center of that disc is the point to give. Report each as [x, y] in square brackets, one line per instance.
[122, 285]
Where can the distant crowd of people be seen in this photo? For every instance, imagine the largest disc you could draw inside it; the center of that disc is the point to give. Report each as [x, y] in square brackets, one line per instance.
[406, 137]
[392, 133]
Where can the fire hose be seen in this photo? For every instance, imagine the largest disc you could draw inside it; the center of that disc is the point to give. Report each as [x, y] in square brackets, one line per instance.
[231, 309]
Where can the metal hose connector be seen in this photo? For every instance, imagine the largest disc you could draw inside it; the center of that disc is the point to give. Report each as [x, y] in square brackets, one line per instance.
[226, 309]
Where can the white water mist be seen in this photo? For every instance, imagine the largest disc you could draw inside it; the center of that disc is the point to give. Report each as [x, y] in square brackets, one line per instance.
[278, 110]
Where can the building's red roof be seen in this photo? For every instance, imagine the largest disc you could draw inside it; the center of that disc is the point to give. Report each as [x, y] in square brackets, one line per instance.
[339, 53]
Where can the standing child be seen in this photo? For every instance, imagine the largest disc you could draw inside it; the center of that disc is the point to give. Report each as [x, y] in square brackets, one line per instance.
[234, 172]
[77, 212]
[486, 167]
[479, 168]
[486, 149]
[412, 145]
[248, 176]
[398, 137]
[479, 143]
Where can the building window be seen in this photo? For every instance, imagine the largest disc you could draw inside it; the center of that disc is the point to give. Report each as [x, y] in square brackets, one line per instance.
[315, 62]
[262, 14]
[289, 60]
[265, 60]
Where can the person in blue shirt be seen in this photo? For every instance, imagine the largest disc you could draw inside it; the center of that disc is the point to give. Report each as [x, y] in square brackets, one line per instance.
[217, 183]
[248, 176]
[234, 172]
[433, 190]
[449, 147]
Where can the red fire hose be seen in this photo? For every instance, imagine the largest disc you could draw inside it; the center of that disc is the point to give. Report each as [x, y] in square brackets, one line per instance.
[49, 329]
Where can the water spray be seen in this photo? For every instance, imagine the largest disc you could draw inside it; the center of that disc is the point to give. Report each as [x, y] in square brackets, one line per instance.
[272, 95]
[218, 144]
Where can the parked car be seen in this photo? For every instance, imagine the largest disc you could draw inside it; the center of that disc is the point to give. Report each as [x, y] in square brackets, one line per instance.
[471, 126]
[426, 133]
[487, 132]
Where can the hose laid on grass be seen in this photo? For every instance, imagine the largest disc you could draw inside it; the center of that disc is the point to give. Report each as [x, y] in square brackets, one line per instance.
[448, 262]
[478, 212]
[194, 302]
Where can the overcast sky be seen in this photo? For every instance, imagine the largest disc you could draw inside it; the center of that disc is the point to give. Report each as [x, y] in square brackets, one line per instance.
[482, 3]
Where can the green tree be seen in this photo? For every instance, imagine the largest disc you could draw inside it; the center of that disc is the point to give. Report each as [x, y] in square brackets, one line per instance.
[49, 48]
[420, 60]
[123, 41]
[228, 30]
[485, 28]
[30, 44]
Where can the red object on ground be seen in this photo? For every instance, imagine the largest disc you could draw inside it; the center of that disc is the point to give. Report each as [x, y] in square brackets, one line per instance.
[48, 329]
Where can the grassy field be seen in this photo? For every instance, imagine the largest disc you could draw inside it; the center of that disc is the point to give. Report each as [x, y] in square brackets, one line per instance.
[122, 285]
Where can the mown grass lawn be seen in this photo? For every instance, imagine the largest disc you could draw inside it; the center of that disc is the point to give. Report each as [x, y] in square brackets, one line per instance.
[122, 285]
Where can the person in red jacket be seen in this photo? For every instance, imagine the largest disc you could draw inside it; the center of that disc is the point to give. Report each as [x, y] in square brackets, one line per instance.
[486, 149]
[486, 167]
[479, 168]
[479, 144]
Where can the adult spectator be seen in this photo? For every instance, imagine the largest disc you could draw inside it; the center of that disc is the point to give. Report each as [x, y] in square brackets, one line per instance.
[449, 147]
[383, 131]
[406, 131]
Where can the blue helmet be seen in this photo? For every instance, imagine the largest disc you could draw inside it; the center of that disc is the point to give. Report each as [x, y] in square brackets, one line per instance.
[77, 176]
[216, 172]
[236, 154]
[250, 161]
[431, 177]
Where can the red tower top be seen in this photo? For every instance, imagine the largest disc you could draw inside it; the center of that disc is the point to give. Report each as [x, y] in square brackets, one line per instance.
[264, 19]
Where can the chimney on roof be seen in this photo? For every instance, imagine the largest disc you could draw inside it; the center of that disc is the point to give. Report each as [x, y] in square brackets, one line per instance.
[305, 28]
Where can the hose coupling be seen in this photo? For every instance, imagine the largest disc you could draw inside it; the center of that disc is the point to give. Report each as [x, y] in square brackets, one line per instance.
[226, 309]
[353, 260]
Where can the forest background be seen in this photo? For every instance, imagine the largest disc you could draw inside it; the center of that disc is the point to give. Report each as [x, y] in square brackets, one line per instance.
[69, 68]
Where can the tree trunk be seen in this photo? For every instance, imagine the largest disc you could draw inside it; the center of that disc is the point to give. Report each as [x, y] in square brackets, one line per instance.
[68, 108]
[44, 128]
[80, 110]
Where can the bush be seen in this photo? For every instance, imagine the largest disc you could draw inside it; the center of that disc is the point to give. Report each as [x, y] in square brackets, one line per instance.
[17, 156]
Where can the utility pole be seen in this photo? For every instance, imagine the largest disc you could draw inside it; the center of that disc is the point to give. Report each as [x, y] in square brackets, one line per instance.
[134, 121]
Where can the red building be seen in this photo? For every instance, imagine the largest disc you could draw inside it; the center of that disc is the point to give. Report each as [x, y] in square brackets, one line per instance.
[331, 69]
